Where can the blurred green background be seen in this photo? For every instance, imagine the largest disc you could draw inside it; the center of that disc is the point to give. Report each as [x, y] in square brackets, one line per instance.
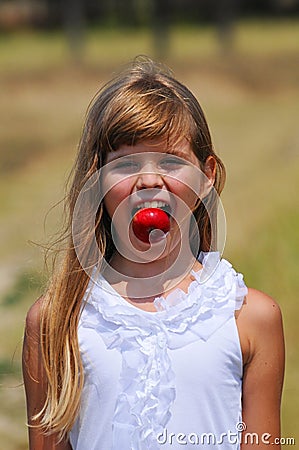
[241, 59]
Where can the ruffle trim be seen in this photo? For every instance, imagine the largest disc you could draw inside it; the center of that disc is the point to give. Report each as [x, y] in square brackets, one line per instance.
[147, 388]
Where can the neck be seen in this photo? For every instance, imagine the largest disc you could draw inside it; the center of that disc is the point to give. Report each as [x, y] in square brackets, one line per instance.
[150, 279]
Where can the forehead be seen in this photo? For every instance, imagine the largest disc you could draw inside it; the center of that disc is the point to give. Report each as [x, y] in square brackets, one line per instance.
[182, 149]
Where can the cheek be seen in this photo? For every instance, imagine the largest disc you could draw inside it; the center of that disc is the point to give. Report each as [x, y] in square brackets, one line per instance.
[184, 191]
[189, 197]
[115, 196]
[109, 204]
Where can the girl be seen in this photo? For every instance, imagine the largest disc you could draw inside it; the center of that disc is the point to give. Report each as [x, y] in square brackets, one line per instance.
[145, 338]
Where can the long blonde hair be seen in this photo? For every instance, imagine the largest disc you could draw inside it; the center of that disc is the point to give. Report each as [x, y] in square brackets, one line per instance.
[142, 103]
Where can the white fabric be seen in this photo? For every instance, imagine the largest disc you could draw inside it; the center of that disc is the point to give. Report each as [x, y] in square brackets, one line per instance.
[162, 380]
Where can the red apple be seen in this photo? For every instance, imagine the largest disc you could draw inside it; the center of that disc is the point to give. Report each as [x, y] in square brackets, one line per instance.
[148, 219]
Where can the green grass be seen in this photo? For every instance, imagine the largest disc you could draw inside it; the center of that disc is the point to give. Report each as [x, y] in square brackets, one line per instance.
[251, 100]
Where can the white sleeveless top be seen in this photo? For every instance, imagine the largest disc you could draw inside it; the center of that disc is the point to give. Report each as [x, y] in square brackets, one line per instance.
[169, 379]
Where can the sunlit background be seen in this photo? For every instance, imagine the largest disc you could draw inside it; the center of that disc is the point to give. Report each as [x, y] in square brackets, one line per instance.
[240, 58]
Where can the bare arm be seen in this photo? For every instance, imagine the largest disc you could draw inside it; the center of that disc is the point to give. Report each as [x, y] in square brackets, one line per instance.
[35, 383]
[261, 332]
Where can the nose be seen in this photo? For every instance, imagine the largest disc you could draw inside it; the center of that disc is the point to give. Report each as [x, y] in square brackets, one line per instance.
[149, 178]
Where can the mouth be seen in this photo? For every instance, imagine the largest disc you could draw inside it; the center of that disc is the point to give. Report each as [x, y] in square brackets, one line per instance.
[153, 204]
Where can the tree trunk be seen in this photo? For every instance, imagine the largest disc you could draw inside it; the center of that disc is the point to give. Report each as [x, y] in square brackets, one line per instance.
[74, 18]
[160, 26]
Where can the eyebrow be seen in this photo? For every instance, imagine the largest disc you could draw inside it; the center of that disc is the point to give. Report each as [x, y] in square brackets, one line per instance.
[177, 152]
[115, 155]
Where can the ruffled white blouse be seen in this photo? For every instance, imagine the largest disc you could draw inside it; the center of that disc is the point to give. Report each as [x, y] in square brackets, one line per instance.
[169, 379]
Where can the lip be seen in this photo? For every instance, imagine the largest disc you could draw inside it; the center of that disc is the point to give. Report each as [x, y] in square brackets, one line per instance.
[151, 195]
[167, 208]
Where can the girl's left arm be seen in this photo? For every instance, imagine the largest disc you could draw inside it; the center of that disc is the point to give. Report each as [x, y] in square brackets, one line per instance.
[261, 334]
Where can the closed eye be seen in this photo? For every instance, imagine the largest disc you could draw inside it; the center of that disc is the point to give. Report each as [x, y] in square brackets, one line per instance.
[126, 166]
[172, 163]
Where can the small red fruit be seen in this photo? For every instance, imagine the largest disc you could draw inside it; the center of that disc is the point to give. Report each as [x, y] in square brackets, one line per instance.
[148, 219]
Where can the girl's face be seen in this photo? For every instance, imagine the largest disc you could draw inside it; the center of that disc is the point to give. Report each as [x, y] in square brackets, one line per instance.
[150, 174]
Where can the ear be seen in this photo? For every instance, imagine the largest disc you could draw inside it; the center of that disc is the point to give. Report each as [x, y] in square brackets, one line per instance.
[210, 169]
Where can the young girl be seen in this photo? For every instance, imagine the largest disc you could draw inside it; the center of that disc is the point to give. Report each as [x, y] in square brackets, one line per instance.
[145, 338]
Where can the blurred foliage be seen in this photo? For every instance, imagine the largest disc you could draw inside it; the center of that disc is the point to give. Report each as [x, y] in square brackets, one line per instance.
[25, 282]
[136, 13]
[8, 367]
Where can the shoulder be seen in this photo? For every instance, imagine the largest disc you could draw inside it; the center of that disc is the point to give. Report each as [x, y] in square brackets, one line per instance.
[33, 318]
[259, 323]
[260, 309]
[32, 325]
[31, 354]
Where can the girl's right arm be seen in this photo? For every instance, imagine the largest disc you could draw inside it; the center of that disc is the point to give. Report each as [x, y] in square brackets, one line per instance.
[35, 383]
